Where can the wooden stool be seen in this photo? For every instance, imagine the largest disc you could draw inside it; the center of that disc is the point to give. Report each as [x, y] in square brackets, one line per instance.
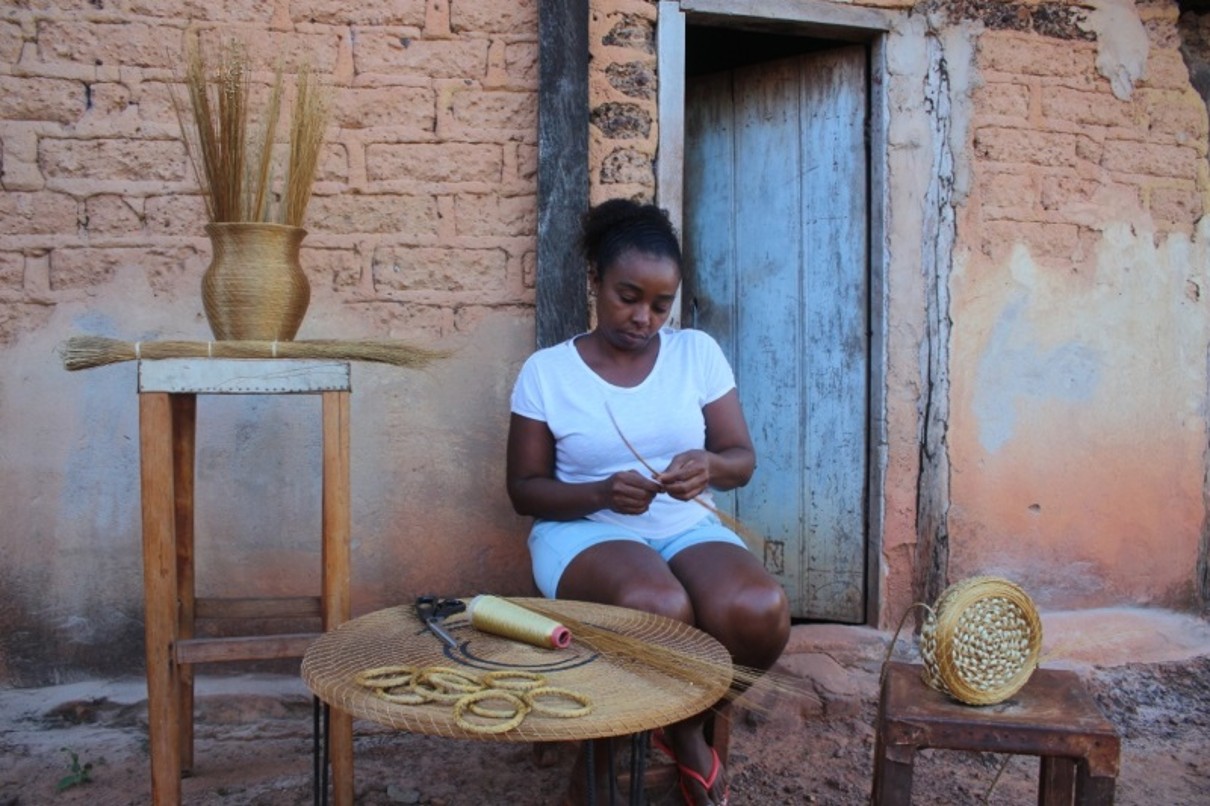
[168, 392]
[1053, 716]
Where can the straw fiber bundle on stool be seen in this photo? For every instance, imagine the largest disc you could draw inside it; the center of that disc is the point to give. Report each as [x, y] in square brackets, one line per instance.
[980, 642]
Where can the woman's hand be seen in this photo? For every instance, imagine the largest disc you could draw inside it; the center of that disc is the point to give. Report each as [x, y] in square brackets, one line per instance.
[687, 475]
[630, 492]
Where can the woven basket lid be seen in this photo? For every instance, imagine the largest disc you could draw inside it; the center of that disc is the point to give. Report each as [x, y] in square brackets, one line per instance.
[981, 641]
[627, 695]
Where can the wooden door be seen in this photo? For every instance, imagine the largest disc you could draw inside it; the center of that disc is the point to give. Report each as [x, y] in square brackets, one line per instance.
[776, 242]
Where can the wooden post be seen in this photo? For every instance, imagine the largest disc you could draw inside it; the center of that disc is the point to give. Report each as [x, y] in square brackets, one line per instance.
[336, 573]
[160, 596]
[184, 428]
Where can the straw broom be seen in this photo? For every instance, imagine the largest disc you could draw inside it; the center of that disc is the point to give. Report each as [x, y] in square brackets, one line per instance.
[85, 352]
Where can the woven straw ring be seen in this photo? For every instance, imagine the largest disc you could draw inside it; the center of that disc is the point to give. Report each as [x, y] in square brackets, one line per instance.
[532, 697]
[382, 677]
[468, 700]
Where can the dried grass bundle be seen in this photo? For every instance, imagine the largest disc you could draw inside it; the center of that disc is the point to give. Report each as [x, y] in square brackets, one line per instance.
[85, 352]
[232, 161]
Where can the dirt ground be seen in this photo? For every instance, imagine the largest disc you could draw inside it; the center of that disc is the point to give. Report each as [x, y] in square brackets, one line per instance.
[253, 743]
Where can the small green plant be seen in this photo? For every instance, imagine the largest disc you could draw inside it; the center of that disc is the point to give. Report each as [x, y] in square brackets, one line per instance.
[80, 773]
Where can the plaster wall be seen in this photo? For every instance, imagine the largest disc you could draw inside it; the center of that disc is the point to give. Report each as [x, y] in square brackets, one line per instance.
[421, 229]
[1077, 437]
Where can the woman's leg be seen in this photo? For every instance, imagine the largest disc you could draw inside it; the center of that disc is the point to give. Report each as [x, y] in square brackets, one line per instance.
[625, 574]
[738, 602]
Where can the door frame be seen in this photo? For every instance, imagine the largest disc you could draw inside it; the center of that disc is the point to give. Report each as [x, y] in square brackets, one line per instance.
[825, 20]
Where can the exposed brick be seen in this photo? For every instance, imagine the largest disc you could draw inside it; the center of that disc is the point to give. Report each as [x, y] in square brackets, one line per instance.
[529, 269]
[452, 162]
[12, 273]
[37, 213]
[129, 44]
[108, 98]
[227, 11]
[337, 269]
[381, 52]
[403, 108]
[175, 214]
[154, 101]
[515, 17]
[521, 62]
[333, 164]
[88, 268]
[1180, 115]
[41, 99]
[1061, 191]
[267, 49]
[138, 160]
[407, 320]
[1086, 108]
[1034, 56]
[1166, 70]
[495, 216]
[1009, 189]
[112, 215]
[1022, 145]
[527, 162]
[340, 12]
[174, 270]
[1044, 240]
[485, 112]
[1176, 206]
[400, 215]
[11, 42]
[1152, 160]
[453, 270]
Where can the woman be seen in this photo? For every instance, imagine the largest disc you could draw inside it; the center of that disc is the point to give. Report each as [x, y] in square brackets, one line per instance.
[608, 531]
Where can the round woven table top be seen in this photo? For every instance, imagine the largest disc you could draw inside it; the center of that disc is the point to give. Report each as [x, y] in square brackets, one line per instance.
[627, 694]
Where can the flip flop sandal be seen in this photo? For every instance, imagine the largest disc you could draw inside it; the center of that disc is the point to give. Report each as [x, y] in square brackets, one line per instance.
[660, 741]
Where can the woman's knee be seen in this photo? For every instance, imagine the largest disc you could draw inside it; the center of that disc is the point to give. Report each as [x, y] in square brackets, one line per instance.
[755, 623]
[662, 598]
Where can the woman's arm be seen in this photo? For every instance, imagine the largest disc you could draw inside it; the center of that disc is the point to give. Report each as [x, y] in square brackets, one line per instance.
[535, 491]
[728, 460]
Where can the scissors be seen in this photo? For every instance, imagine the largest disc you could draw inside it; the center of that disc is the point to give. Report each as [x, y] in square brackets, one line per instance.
[432, 611]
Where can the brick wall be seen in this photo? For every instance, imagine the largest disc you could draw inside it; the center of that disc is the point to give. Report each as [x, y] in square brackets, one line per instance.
[432, 152]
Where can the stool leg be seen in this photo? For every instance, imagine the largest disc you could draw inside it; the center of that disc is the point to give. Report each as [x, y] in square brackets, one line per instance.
[892, 774]
[1093, 790]
[638, 767]
[1056, 781]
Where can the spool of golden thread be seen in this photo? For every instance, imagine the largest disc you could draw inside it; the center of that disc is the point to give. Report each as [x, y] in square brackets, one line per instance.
[499, 617]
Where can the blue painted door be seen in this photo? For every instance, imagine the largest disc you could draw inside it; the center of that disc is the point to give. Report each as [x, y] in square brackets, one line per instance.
[776, 241]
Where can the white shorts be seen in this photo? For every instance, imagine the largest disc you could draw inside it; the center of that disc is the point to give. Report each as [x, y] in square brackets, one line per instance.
[554, 544]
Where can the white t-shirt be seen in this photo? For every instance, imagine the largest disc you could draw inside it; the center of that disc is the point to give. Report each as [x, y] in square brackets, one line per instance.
[661, 417]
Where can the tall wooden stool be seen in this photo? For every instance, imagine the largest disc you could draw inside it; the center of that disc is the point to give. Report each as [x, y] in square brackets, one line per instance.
[168, 391]
[1053, 716]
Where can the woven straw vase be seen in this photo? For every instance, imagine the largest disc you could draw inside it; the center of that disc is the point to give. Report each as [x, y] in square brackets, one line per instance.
[980, 642]
[255, 288]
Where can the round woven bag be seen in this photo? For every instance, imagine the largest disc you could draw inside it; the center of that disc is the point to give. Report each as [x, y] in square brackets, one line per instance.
[981, 640]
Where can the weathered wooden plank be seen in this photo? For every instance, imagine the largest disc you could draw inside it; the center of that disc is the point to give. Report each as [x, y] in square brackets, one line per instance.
[257, 647]
[230, 376]
[768, 246]
[814, 16]
[258, 607]
[561, 293]
[835, 314]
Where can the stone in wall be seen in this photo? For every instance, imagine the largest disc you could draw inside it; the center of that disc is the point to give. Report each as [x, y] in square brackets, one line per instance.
[621, 121]
[632, 32]
[1057, 20]
[633, 79]
[626, 166]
